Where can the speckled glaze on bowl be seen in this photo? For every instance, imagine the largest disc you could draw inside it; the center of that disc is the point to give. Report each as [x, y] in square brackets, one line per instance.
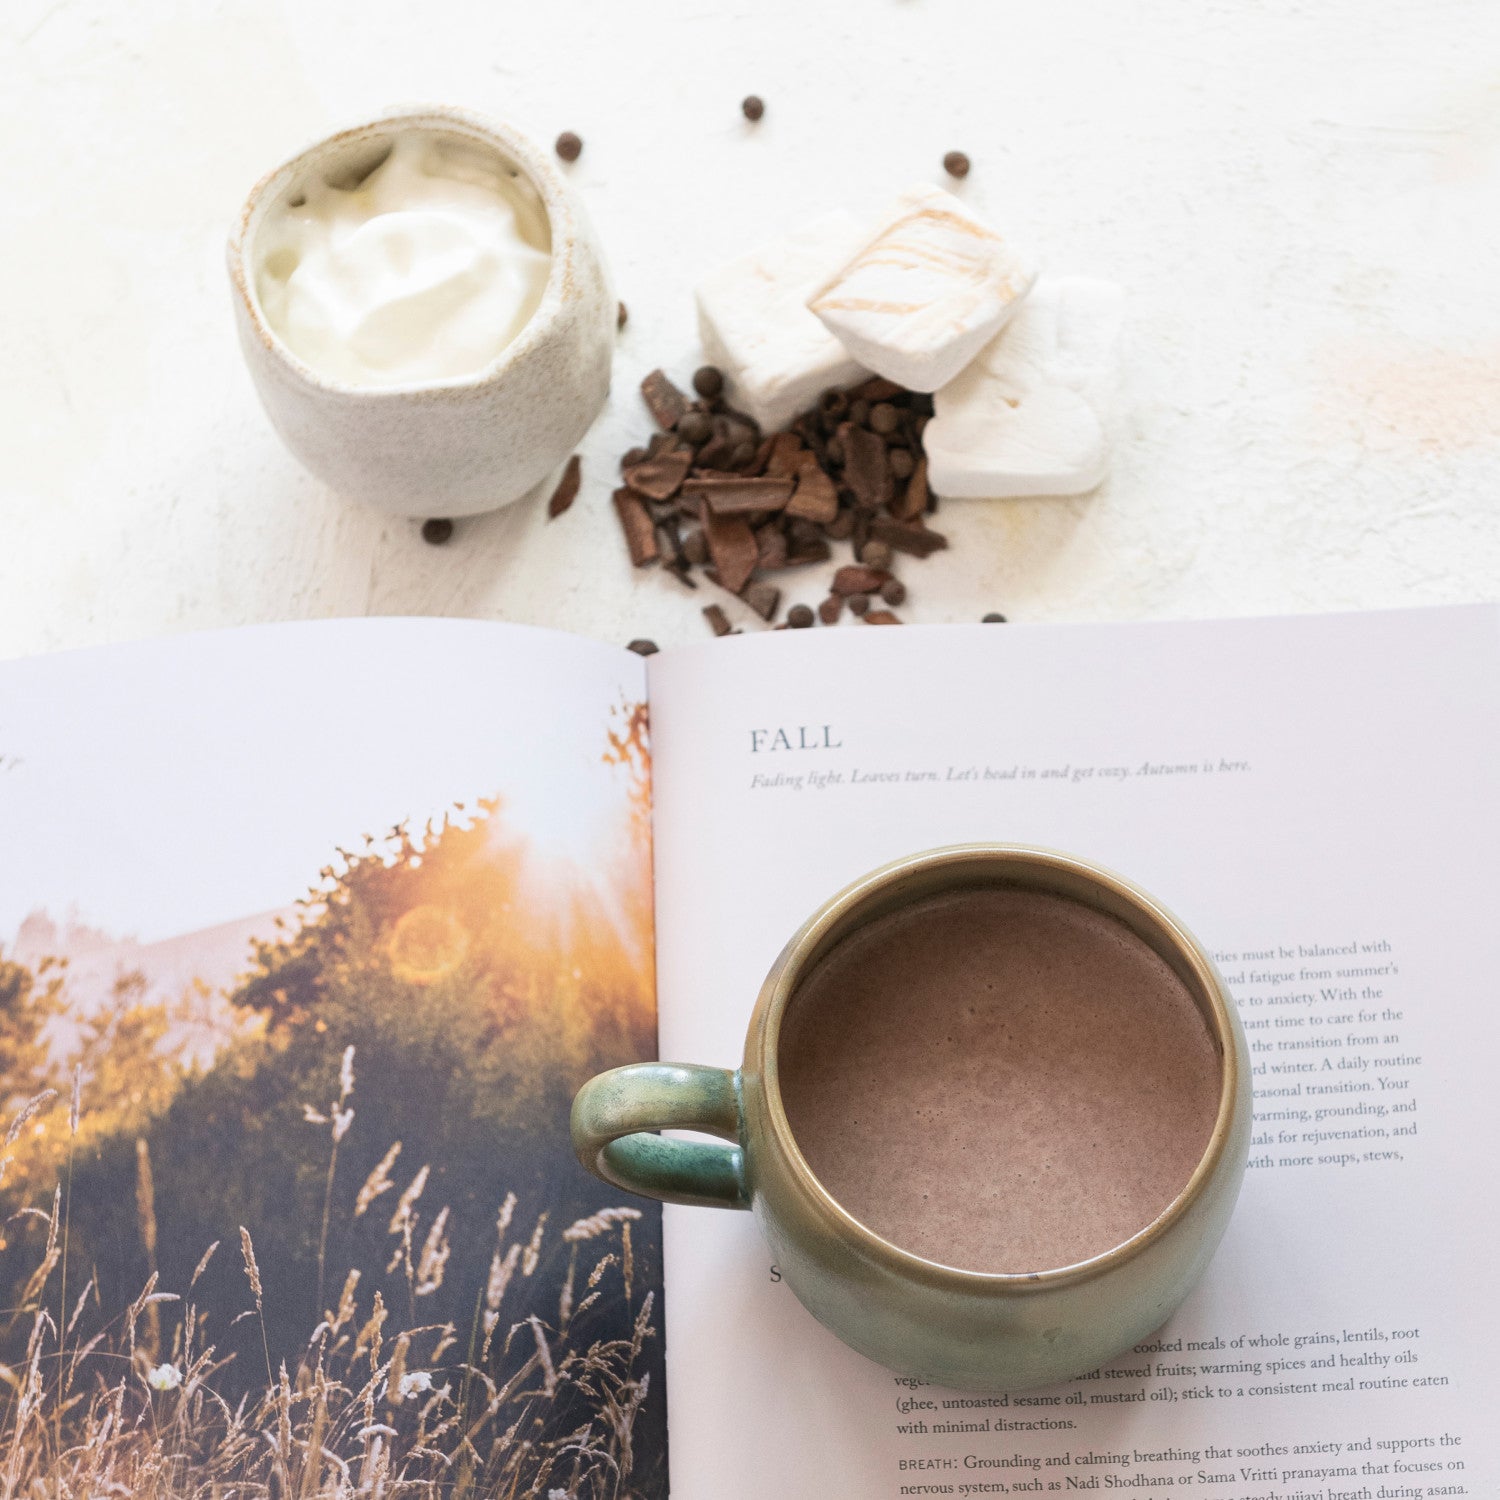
[970, 1330]
[450, 448]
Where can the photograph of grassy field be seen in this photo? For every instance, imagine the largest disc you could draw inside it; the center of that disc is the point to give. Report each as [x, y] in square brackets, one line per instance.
[318, 1231]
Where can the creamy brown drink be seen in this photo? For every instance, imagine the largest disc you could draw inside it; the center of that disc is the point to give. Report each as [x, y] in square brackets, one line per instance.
[999, 1079]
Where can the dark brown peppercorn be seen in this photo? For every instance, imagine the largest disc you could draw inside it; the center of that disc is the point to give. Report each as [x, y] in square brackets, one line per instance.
[893, 591]
[858, 603]
[752, 106]
[708, 382]
[859, 412]
[956, 164]
[884, 419]
[902, 463]
[622, 315]
[996, 618]
[799, 617]
[743, 455]
[876, 555]
[696, 427]
[569, 146]
[643, 647]
[437, 531]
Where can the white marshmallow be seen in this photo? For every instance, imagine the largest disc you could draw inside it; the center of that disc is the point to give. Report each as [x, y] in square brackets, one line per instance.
[925, 293]
[1025, 417]
[776, 357]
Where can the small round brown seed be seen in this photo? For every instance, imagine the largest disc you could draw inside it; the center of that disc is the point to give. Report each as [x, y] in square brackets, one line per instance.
[622, 315]
[893, 591]
[752, 106]
[799, 617]
[569, 146]
[859, 412]
[876, 554]
[858, 603]
[708, 381]
[643, 647]
[956, 164]
[743, 455]
[994, 618]
[696, 427]
[884, 419]
[902, 463]
[437, 531]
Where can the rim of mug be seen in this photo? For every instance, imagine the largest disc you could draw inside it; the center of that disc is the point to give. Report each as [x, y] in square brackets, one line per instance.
[517, 149]
[835, 911]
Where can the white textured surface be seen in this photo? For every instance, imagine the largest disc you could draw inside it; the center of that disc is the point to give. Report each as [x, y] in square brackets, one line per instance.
[1302, 197]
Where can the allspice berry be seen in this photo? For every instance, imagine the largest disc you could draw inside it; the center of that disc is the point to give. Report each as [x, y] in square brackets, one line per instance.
[956, 164]
[569, 146]
[752, 106]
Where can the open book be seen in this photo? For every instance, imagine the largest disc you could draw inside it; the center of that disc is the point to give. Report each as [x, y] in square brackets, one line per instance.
[308, 932]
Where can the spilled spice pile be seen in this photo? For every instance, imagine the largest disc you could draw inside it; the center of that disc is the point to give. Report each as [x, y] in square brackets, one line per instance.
[710, 494]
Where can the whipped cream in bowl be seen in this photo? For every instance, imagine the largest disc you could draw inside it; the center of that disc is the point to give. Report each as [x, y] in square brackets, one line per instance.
[424, 311]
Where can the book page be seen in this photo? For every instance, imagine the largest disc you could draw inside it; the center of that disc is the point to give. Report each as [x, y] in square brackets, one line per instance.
[308, 933]
[1316, 799]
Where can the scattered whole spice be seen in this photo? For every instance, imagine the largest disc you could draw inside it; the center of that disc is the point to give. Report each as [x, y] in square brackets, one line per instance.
[643, 647]
[752, 106]
[858, 603]
[437, 531]
[893, 591]
[569, 146]
[956, 164]
[622, 316]
[695, 428]
[799, 617]
[708, 381]
[994, 618]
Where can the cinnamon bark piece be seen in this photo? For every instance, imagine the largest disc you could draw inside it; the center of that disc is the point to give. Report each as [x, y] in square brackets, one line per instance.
[736, 495]
[664, 401]
[635, 522]
[567, 488]
[732, 545]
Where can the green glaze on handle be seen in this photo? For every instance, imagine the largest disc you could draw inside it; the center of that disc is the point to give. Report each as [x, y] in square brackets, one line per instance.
[613, 1113]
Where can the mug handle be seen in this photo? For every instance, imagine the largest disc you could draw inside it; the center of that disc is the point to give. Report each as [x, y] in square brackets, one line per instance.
[613, 1113]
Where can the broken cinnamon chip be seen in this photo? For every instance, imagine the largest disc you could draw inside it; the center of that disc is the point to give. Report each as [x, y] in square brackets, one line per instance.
[855, 578]
[661, 477]
[914, 502]
[831, 608]
[635, 522]
[772, 546]
[567, 488]
[867, 469]
[816, 498]
[782, 461]
[908, 536]
[717, 619]
[734, 494]
[880, 617]
[762, 598]
[664, 401]
[733, 547]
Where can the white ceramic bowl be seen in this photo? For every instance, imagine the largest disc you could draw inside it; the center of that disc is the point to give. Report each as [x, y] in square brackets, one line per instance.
[453, 447]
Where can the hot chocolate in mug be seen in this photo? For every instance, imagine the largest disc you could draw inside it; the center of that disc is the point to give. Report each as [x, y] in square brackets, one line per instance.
[993, 1116]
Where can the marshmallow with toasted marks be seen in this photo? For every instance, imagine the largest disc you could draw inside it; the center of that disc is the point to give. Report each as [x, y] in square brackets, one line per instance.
[925, 293]
[776, 357]
[1025, 417]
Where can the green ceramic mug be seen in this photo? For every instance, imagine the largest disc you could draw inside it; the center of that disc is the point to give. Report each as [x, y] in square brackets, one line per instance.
[966, 1329]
